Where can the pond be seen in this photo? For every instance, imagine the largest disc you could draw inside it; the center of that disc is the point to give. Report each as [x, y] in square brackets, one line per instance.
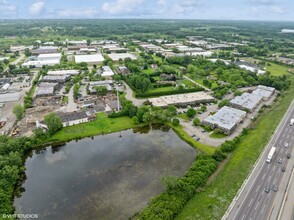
[110, 176]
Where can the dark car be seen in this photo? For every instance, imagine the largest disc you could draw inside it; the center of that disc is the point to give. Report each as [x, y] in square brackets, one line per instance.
[267, 189]
[283, 169]
[275, 188]
[288, 156]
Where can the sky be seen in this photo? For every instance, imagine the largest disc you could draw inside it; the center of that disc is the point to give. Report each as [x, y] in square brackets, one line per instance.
[279, 10]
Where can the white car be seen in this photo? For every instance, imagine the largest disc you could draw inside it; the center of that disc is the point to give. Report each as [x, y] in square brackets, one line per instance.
[286, 145]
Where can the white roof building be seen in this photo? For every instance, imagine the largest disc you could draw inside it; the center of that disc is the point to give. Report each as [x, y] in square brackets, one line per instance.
[9, 97]
[90, 59]
[107, 71]
[181, 99]
[64, 72]
[44, 59]
[4, 58]
[226, 119]
[246, 101]
[117, 56]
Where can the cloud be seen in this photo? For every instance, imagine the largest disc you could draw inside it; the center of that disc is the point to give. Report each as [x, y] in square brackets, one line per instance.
[277, 10]
[36, 8]
[7, 10]
[90, 12]
[121, 6]
[263, 2]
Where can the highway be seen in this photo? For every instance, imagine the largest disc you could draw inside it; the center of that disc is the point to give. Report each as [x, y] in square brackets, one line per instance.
[253, 202]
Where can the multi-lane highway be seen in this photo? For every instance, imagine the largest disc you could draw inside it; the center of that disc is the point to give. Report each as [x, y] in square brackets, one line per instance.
[254, 202]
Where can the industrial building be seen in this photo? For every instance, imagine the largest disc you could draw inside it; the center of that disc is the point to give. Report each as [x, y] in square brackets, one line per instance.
[43, 59]
[45, 50]
[56, 78]
[246, 101]
[107, 71]
[264, 91]
[64, 72]
[9, 97]
[226, 119]
[89, 59]
[45, 89]
[118, 56]
[182, 99]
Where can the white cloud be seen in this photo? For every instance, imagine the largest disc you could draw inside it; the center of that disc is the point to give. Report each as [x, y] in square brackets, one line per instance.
[121, 6]
[7, 10]
[277, 10]
[89, 12]
[36, 8]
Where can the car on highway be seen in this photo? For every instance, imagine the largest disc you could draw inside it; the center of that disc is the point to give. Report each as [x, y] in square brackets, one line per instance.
[280, 160]
[267, 189]
[288, 156]
[286, 145]
[275, 188]
[283, 169]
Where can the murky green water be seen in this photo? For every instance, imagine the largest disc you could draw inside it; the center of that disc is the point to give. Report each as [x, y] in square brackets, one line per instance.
[108, 177]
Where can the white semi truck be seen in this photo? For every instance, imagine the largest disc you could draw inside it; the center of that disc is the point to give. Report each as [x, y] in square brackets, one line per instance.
[271, 154]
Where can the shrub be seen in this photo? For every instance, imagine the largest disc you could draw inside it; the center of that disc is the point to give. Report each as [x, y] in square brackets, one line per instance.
[196, 122]
[191, 112]
[176, 121]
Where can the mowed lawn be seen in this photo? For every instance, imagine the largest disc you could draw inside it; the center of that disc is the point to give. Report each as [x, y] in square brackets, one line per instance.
[102, 125]
[277, 70]
[213, 201]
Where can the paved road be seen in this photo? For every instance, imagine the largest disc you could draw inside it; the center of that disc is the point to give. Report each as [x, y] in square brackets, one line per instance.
[253, 202]
[129, 96]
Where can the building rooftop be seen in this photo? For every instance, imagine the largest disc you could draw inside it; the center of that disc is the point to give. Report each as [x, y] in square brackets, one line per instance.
[72, 116]
[247, 100]
[93, 58]
[64, 72]
[180, 99]
[9, 97]
[117, 56]
[107, 71]
[226, 117]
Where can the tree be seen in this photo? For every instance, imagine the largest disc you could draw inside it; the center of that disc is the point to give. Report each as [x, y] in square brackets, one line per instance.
[27, 52]
[18, 110]
[176, 121]
[191, 112]
[135, 120]
[76, 91]
[101, 90]
[203, 108]
[223, 103]
[196, 122]
[53, 123]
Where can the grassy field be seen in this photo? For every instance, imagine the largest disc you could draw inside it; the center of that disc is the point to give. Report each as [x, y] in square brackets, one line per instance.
[187, 83]
[161, 89]
[215, 198]
[102, 125]
[277, 70]
[148, 71]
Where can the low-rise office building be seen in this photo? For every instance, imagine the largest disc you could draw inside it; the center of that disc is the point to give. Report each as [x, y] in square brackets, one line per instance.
[246, 101]
[45, 89]
[63, 72]
[182, 99]
[226, 119]
[56, 79]
[118, 56]
[89, 59]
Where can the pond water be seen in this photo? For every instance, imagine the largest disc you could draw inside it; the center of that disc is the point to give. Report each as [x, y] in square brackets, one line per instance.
[105, 177]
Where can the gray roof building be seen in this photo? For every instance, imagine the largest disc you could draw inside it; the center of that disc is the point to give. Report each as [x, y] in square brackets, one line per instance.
[227, 119]
[246, 101]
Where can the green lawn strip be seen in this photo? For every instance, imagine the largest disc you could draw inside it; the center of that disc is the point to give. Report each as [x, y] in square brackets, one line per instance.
[187, 138]
[215, 135]
[214, 200]
[183, 116]
[276, 69]
[102, 125]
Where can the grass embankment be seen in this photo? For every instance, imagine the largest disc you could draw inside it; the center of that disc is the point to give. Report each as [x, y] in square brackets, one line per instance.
[102, 125]
[215, 198]
[184, 117]
[217, 135]
[187, 138]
